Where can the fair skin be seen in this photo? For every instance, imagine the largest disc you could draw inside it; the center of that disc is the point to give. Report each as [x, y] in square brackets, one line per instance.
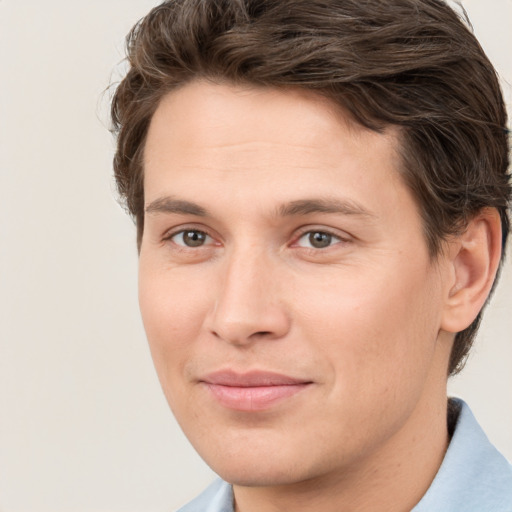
[279, 237]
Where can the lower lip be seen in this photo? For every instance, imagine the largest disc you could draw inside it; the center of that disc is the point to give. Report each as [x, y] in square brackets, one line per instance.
[250, 399]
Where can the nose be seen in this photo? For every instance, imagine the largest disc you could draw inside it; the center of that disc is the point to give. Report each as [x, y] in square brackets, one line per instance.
[248, 305]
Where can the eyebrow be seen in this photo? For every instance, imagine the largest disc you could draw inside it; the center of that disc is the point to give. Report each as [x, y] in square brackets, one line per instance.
[323, 205]
[170, 204]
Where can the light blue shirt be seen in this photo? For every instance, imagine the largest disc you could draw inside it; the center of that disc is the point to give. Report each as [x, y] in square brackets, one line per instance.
[474, 477]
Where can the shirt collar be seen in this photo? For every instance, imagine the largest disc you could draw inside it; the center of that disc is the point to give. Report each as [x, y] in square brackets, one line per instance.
[474, 476]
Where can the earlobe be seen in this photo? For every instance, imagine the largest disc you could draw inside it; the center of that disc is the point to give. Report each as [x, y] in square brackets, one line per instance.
[474, 262]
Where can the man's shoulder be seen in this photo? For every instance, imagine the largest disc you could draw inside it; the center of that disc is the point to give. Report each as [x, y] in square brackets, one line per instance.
[218, 497]
[474, 475]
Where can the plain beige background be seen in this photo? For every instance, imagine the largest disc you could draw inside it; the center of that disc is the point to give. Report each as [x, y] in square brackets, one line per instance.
[83, 423]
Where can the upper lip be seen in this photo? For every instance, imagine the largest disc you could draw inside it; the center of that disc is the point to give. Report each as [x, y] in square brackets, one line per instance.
[255, 378]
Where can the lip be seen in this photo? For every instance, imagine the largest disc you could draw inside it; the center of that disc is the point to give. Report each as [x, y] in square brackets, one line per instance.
[252, 391]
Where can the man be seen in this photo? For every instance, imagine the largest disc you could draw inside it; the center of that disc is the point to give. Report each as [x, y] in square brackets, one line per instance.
[321, 197]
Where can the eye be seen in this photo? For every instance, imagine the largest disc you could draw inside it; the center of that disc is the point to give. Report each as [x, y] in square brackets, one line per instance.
[317, 240]
[191, 238]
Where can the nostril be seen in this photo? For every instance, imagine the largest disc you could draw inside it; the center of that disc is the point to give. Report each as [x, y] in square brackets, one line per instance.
[262, 333]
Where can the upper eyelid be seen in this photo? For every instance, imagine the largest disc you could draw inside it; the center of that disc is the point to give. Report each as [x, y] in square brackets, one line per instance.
[295, 236]
[336, 239]
[342, 235]
[169, 233]
[327, 231]
[168, 238]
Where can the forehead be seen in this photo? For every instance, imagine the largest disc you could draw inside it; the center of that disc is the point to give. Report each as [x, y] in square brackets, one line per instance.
[211, 110]
[265, 144]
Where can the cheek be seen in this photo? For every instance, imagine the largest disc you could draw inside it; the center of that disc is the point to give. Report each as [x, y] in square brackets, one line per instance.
[377, 331]
[172, 314]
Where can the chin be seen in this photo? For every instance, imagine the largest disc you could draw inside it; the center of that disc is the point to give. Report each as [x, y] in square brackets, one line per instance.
[260, 464]
[249, 474]
[250, 467]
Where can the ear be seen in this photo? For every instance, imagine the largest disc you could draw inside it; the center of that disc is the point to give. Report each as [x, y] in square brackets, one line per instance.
[474, 260]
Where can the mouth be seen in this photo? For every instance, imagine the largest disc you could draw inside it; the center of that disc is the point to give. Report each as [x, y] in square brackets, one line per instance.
[252, 391]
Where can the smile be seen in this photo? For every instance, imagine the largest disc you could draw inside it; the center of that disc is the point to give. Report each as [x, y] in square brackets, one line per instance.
[252, 392]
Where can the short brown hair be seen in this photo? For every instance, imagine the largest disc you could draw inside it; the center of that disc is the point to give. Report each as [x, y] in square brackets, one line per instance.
[413, 64]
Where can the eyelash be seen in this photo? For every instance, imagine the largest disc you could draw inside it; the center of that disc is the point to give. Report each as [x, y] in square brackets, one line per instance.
[168, 237]
[309, 231]
[334, 237]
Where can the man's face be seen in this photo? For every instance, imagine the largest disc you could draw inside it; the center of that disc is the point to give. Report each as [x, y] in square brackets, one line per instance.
[286, 289]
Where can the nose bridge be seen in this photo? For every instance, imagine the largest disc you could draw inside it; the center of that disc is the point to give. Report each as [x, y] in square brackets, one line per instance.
[248, 305]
